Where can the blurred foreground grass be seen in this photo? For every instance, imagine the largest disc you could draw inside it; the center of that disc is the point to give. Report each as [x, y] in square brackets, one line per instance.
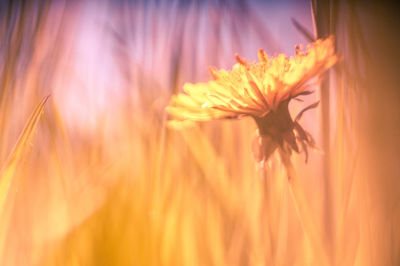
[127, 190]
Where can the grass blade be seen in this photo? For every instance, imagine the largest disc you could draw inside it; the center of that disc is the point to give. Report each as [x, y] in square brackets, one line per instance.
[306, 33]
[8, 169]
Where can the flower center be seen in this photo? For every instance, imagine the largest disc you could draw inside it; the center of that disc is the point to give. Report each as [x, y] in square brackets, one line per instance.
[276, 123]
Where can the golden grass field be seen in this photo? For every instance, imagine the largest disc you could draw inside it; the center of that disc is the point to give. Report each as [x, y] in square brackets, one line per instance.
[92, 175]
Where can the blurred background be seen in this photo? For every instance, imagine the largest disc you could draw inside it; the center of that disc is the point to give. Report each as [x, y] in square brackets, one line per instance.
[100, 180]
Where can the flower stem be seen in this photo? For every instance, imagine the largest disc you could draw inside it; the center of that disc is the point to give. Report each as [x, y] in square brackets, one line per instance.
[303, 212]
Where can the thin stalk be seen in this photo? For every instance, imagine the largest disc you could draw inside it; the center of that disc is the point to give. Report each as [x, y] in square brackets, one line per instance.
[323, 17]
[267, 191]
[303, 212]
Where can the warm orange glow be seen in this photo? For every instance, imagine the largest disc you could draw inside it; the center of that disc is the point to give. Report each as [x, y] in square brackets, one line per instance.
[95, 174]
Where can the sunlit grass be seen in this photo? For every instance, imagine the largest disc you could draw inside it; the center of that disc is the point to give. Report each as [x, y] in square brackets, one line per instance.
[126, 189]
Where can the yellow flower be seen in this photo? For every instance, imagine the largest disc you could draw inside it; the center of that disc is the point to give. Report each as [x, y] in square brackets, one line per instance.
[261, 90]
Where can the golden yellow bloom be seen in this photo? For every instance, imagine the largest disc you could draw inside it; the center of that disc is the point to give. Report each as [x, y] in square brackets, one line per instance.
[261, 90]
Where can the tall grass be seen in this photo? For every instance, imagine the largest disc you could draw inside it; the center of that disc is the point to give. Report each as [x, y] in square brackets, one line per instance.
[115, 186]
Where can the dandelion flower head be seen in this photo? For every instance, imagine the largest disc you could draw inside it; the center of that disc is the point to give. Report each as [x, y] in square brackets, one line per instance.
[261, 90]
